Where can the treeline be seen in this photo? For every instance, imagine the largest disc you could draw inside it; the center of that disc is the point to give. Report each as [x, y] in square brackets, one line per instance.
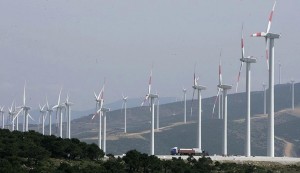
[31, 152]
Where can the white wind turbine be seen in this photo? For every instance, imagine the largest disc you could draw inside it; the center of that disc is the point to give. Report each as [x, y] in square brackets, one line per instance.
[25, 110]
[184, 104]
[152, 98]
[2, 115]
[43, 116]
[224, 88]
[68, 105]
[199, 88]
[103, 112]
[124, 106]
[12, 113]
[248, 60]
[49, 112]
[269, 37]
[59, 112]
[99, 105]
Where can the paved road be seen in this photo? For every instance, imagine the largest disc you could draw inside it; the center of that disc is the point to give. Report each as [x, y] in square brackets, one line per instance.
[241, 159]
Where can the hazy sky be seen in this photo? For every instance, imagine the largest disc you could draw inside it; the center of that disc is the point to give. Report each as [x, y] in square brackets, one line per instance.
[76, 44]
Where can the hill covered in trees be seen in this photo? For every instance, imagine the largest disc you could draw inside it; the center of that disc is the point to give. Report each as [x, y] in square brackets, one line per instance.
[25, 152]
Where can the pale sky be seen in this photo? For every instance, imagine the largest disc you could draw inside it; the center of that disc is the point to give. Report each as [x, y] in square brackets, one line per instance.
[76, 44]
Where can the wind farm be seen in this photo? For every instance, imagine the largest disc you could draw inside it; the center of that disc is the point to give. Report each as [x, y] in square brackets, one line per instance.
[66, 60]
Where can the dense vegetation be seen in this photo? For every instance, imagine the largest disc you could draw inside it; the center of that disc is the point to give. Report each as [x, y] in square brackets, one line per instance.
[32, 152]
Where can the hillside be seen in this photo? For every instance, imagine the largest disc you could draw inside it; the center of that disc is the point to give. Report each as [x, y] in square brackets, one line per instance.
[184, 135]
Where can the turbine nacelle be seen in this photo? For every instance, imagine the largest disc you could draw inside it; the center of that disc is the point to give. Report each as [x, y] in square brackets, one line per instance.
[152, 95]
[104, 109]
[249, 59]
[266, 35]
[199, 87]
[225, 87]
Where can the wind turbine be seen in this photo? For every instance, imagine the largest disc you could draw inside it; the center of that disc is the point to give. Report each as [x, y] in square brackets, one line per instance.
[293, 94]
[224, 88]
[152, 98]
[248, 60]
[265, 98]
[99, 105]
[68, 105]
[184, 103]
[25, 110]
[43, 116]
[59, 108]
[49, 112]
[2, 115]
[124, 105]
[270, 37]
[103, 112]
[11, 113]
[199, 88]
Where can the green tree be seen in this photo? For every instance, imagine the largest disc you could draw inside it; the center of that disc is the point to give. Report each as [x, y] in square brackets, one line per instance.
[132, 160]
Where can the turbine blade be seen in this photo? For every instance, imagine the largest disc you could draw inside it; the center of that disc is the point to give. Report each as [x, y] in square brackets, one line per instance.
[14, 117]
[150, 82]
[195, 80]
[220, 73]
[242, 42]
[267, 52]
[58, 102]
[30, 117]
[216, 101]
[47, 102]
[146, 98]
[270, 17]
[93, 116]
[238, 78]
[95, 95]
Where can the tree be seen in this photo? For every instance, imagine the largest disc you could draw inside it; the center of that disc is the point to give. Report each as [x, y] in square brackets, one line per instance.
[132, 160]
[93, 152]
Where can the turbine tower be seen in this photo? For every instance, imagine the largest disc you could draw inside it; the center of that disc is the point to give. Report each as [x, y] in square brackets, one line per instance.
[270, 37]
[184, 103]
[43, 115]
[152, 98]
[59, 108]
[68, 105]
[224, 88]
[248, 60]
[104, 110]
[293, 94]
[279, 73]
[99, 105]
[49, 112]
[265, 98]
[124, 105]
[157, 113]
[2, 115]
[199, 88]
